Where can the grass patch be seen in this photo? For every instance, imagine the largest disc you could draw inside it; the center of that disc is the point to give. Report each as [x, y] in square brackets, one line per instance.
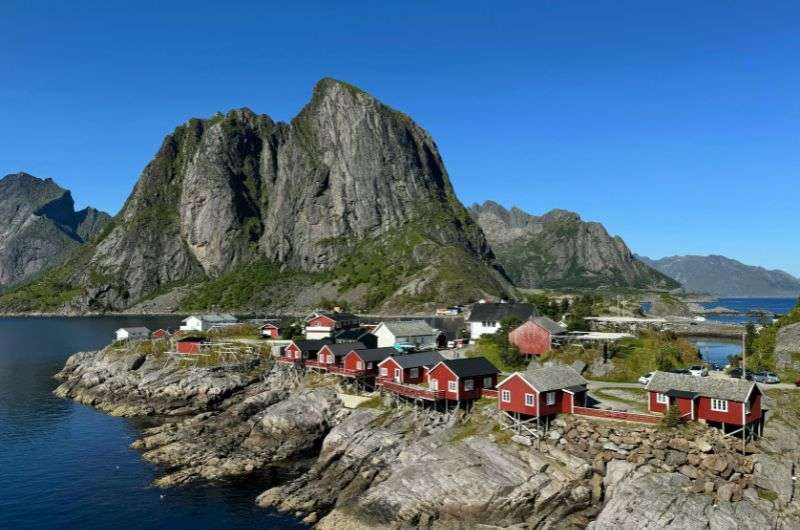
[636, 399]
[768, 495]
[372, 403]
[465, 431]
[485, 347]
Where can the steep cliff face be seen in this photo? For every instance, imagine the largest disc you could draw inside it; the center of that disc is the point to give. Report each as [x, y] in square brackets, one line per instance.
[559, 250]
[723, 276]
[352, 197]
[38, 225]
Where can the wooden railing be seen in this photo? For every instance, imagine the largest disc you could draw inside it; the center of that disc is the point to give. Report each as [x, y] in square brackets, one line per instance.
[347, 372]
[411, 391]
[286, 360]
[638, 417]
[313, 363]
[488, 393]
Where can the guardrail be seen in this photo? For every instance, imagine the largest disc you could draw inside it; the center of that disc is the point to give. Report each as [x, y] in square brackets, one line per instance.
[411, 390]
[637, 417]
[346, 372]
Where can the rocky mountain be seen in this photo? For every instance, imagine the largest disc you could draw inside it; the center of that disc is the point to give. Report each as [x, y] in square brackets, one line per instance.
[726, 277]
[559, 250]
[38, 225]
[350, 201]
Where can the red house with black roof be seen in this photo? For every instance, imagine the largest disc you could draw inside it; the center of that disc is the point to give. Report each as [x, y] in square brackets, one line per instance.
[270, 330]
[321, 325]
[463, 379]
[331, 355]
[298, 351]
[190, 345]
[364, 363]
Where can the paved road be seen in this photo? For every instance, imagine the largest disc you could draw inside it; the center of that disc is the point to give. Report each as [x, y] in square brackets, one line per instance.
[595, 385]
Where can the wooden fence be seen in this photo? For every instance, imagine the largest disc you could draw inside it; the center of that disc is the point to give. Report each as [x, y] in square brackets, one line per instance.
[638, 417]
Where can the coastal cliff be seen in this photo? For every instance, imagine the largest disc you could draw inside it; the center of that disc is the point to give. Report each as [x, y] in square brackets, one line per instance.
[384, 465]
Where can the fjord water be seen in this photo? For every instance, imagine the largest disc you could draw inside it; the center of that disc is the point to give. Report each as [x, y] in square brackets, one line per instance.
[66, 466]
[780, 306]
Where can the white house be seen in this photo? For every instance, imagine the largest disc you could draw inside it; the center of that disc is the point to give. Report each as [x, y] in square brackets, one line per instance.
[416, 333]
[206, 322]
[485, 319]
[138, 333]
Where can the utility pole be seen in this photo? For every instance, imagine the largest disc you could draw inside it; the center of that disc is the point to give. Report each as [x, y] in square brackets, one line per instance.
[744, 354]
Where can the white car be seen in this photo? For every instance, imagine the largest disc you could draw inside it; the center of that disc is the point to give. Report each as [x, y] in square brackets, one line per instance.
[698, 370]
[646, 378]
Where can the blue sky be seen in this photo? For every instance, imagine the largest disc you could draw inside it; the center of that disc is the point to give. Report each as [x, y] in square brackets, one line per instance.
[676, 125]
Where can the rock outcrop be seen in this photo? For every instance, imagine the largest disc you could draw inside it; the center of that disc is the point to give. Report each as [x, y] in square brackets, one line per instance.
[726, 277]
[351, 199]
[787, 346]
[559, 250]
[382, 466]
[39, 225]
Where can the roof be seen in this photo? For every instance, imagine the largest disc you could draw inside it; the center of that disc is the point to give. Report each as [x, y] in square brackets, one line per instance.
[728, 388]
[682, 394]
[490, 312]
[554, 378]
[333, 315]
[414, 360]
[214, 317]
[311, 344]
[193, 338]
[351, 334]
[471, 366]
[409, 328]
[554, 328]
[339, 350]
[139, 329]
[376, 354]
[275, 325]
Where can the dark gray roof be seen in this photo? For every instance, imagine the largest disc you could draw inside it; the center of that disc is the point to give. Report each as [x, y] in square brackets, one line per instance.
[409, 328]
[138, 329]
[497, 312]
[414, 360]
[546, 323]
[553, 378]
[339, 350]
[471, 367]
[338, 317]
[682, 394]
[376, 354]
[352, 334]
[311, 344]
[728, 388]
[214, 317]
[576, 388]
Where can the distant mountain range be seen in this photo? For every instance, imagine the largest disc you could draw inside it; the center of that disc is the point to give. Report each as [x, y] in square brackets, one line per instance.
[559, 250]
[726, 277]
[38, 225]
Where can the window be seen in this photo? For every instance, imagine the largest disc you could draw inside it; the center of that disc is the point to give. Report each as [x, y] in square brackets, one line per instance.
[661, 398]
[747, 408]
[487, 382]
[413, 373]
[469, 384]
[397, 374]
[330, 359]
[321, 357]
[505, 396]
[550, 398]
[384, 371]
[434, 384]
[719, 405]
[529, 400]
[452, 386]
[369, 366]
[359, 365]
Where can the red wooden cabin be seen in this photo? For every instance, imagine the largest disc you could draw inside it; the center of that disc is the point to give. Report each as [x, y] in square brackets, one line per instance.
[331, 355]
[463, 379]
[365, 362]
[542, 392]
[407, 375]
[190, 345]
[298, 351]
[731, 404]
[270, 330]
[160, 333]
[535, 336]
[323, 324]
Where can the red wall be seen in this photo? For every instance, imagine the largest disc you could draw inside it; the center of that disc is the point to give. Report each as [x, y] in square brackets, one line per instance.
[530, 339]
[422, 373]
[321, 321]
[324, 351]
[518, 388]
[187, 347]
[443, 375]
[655, 406]
[292, 351]
[272, 331]
[704, 412]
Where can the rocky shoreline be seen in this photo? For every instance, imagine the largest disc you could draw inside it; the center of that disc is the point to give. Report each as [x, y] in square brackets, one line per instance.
[387, 466]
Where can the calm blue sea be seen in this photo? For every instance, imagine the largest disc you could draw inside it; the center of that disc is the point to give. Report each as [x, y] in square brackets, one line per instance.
[66, 466]
[776, 305]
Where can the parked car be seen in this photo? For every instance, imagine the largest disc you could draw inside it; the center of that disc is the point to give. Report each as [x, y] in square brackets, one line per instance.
[646, 378]
[698, 370]
[766, 377]
[736, 373]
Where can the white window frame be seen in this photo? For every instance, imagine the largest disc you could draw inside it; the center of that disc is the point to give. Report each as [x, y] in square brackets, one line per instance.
[662, 399]
[452, 386]
[331, 359]
[369, 365]
[505, 396]
[413, 373]
[719, 405]
[469, 384]
[359, 365]
[398, 374]
[487, 382]
[550, 398]
[321, 357]
[384, 371]
[434, 384]
[530, 400]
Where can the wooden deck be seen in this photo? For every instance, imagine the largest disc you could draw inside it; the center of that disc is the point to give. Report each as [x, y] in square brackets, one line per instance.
[411, 391]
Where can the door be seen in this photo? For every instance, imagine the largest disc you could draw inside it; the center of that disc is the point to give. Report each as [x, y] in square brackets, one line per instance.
[397, 375]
